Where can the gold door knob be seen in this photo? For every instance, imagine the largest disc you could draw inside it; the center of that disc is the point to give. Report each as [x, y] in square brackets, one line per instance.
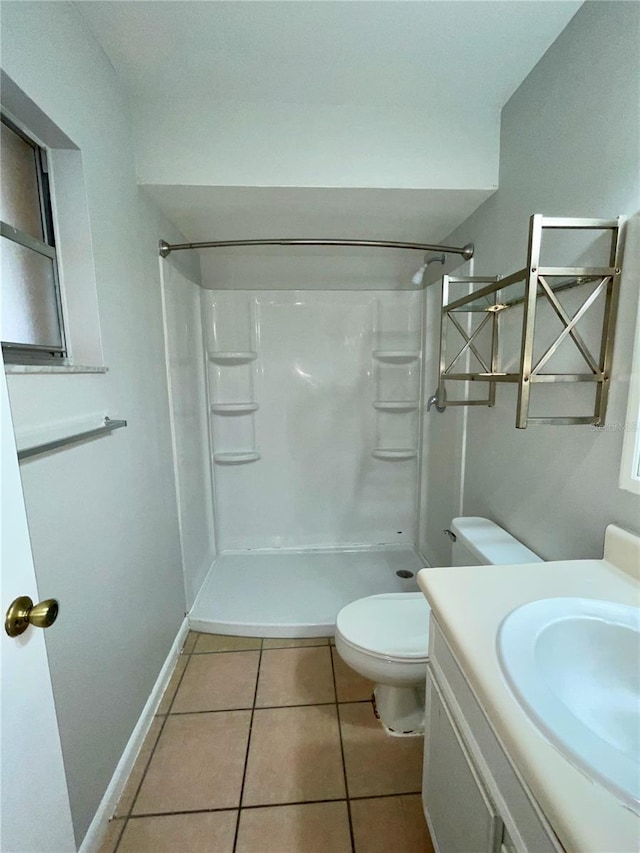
[23, 612]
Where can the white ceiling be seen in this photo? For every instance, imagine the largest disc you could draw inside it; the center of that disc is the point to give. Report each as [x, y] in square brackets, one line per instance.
[445, 67]
[413, 53]
[242, 212]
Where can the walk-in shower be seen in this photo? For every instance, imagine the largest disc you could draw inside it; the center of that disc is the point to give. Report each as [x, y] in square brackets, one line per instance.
[297, 419]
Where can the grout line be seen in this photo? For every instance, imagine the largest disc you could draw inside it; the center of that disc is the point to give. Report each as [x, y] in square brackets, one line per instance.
[258, 647]
[322, 642]
[183, 811]
[164, 718]
[266, 707]
[344, 766]
[277, 805]
[225, 651]
[269, 707]
[173, 698]
[246, 757]
[386, 796]
[123, 821]
[330, 800]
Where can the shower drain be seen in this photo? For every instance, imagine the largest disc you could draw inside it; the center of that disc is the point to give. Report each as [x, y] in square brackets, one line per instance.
[403, 573]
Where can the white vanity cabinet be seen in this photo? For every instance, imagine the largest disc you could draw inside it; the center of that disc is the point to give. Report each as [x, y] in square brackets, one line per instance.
[474, 798]
[462, 814]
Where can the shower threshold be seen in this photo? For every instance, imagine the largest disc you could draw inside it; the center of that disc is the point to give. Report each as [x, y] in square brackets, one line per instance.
[296, 593]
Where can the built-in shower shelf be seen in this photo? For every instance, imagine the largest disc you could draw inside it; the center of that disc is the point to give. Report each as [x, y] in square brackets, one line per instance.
[396, 356]
[388, 453]
[396, 405]
[236, 458]
[233, 408]
[232, 357]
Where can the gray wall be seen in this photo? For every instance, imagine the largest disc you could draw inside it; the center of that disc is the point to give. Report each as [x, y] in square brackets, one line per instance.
[569, 147]
[102, 515]
[442, 459]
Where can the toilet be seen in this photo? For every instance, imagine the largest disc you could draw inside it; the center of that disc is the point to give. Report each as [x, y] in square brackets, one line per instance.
[385, 637]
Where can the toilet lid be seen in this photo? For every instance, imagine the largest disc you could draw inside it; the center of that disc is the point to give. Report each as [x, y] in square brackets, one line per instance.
[394, 625]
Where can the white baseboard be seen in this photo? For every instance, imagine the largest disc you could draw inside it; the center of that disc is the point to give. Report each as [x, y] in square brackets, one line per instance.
[97, 829]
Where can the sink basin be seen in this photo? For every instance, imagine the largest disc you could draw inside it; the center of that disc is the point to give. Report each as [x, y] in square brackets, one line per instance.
[574, 666]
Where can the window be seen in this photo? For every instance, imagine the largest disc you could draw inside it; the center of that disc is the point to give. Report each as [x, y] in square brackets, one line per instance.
[31, 326]
[50, 318]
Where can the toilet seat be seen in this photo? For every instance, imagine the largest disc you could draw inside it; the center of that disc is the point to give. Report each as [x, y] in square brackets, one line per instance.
[391, 626]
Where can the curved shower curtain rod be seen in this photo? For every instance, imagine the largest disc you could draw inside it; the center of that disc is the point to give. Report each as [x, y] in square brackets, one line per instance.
[465, 251]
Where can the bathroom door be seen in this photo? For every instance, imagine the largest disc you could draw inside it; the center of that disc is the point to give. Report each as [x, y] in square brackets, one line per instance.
[35, 815]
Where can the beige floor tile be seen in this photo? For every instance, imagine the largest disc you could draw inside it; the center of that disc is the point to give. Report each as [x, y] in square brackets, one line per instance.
[390, 823]
[218, 682]
[294, 756]
[190, 642]
[222, 643]
[135, 777]
[295, 677]
[170, 692]
[376, 762]
[112, 836]
[197, 764]
[276, 643]
[188, 833]
[310, 828]
[350, 686]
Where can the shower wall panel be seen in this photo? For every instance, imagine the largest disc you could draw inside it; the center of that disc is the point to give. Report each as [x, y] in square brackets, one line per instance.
[314, 400]
[187, 393]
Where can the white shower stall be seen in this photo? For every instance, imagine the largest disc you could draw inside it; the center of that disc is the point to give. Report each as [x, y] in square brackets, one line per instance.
[297, 421]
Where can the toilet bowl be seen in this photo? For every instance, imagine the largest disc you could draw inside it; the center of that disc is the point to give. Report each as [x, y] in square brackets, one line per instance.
[385, 637]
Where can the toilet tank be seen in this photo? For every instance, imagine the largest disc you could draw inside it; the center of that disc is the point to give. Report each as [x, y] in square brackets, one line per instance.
[480, 542]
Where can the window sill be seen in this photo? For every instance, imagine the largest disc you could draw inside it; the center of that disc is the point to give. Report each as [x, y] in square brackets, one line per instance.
[53, 368]
[632, 484]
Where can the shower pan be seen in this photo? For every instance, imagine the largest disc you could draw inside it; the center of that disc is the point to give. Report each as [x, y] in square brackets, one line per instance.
[296, 593]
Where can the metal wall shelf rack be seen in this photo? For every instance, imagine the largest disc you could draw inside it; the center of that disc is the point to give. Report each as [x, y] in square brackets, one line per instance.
[495, 295]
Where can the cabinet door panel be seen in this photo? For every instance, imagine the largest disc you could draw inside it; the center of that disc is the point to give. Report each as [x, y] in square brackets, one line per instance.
[461, 816]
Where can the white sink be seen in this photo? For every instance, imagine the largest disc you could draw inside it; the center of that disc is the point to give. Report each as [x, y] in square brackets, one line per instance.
[574, 666]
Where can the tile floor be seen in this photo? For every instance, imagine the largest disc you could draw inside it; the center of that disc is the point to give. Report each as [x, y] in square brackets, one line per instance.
[269, 746]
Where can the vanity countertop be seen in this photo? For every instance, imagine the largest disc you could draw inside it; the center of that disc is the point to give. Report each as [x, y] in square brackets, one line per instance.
[469, 604]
